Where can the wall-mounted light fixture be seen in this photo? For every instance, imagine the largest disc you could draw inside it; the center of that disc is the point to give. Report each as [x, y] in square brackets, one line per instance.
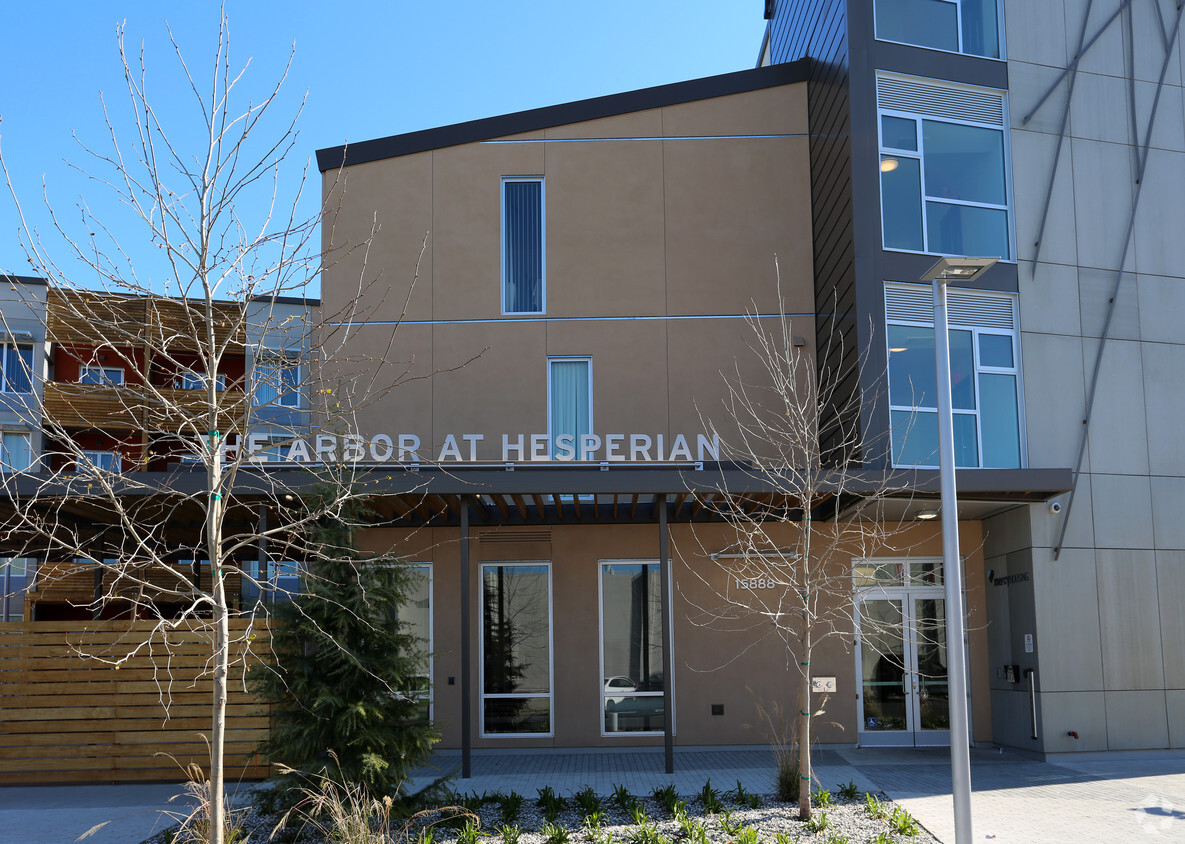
[888, 164]
[927, 515]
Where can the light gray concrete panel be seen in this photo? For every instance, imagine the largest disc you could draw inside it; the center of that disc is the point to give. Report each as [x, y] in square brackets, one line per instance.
[1149, 37]
[1084, 713]
[1100, 108]
[1080, 532]
[1118, 434]
[1129, 620]
[1170, 579]
[1163, 303]
[1175, 703]
[1011, 719]
[1167, 129]
[1164, 402]
[1102, 202]
[1158, 217]
[1049, 297]
[1054, 397]
[1006, 532]
[1095, 288]
[1122, 511]
[1066, 597]
[1106, 54]
[1032, 162]
[1137, 721]
[1168, 505]
[1036, 32]
[1030, 84]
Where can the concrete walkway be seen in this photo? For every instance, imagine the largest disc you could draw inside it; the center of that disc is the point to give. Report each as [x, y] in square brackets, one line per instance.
[1086, 798]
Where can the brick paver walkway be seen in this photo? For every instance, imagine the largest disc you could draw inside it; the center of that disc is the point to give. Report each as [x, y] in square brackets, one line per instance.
[1014, 799]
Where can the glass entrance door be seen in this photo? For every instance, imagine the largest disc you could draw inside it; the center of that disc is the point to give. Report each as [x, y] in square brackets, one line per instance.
[901, 653]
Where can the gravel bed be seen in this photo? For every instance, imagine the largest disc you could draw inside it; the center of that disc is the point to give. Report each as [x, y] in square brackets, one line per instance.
[847, 821]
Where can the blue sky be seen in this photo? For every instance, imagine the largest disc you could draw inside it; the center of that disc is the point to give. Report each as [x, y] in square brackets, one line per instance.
[369, 69]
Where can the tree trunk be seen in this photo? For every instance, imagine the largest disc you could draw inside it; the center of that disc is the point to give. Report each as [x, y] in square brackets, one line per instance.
[217, 740]
[804, 746]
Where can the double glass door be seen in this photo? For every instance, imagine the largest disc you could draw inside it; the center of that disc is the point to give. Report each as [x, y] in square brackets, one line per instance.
[901, 658]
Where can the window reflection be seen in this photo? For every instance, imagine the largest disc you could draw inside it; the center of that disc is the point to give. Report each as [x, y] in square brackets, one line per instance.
[632, 647]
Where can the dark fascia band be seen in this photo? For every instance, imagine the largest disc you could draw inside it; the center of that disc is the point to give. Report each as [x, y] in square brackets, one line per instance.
[706, 88]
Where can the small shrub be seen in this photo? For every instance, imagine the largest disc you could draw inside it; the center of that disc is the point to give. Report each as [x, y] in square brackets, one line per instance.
[874, 807]
[470, 833]
[554, 833]
[782, 838]
[746, 798]
[593, 822]
[837, 838]
[551, 804]
[883, 838]
[818, 822]
[427, 835]
[903, 823]
[822, 798]
[727, 824]
[510, 806]
[646, 834]
[510, 833]
[637, 813]
[848, 791]
[667, 798]
[623, 798]
[587, 802]
[709, 798]
[747, 835]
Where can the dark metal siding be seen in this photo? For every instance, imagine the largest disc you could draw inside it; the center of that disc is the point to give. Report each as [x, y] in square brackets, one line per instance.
[819, 29]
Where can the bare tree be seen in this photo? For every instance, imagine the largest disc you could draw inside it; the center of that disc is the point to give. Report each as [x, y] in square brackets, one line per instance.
[150, 471]
[795, 428]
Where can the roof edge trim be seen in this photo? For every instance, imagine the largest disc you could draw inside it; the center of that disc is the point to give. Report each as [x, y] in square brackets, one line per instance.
[579, 111]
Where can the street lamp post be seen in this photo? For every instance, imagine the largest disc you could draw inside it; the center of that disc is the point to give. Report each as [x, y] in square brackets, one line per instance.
[941, 274]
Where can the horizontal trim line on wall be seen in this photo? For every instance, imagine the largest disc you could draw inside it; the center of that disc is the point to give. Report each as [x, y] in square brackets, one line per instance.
[561, 319]
[647, 138]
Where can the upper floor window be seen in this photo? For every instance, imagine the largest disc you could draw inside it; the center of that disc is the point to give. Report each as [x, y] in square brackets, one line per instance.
[957, 26]
[569, 405]
[276, 381]
[104, 376]
[944, 169]
[985, 377]
[16, 368]
[197, 381]
[523, 250]
[104, 461]
[16, 451]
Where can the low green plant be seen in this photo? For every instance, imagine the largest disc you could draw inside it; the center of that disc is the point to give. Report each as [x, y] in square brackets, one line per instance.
[637, 813]
[427, 835]
[837, 838]
[746, 798]
[822, 798]
[554, 833]
[623, 798]
[593, 822]
[818, 822]
[709, 798]
[510, 832]
[874, 807]
[646, 834]
[587, 801]
[903, 823]
[727, 823]
[470, 833]
[747, 835]
[783, 838]
[551, 804]
[667, 798]
[883, 838]
[849, 790]
[510, 806]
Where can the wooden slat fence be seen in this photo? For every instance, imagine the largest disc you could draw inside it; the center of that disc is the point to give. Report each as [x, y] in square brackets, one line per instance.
[66, 717]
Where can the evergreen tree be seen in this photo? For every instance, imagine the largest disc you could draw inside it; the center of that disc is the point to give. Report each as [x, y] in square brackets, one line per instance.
[348, 677]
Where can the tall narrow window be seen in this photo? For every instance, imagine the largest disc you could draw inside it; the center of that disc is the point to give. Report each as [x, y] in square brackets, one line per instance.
[957, 26]
[569, 405]
[944, 180]
[516, 648]
[985, 378]
[16, 368]
[523, 249]
[632, 648]
[416, 616]
[276, 381]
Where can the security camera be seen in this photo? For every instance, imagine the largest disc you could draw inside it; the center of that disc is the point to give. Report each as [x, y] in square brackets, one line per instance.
[1055, 507]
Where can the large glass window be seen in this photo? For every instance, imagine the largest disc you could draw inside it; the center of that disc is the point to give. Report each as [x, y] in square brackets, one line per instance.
[523, 246]
[985, 378]
[957, 26]
[944, 184]
[516, 649]
[100, 376]
[16, 368]
[16, 451]
[276, 381]
[197, 381]
[416, 616]
[632, 647]
[104, 461]
[569, 401]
